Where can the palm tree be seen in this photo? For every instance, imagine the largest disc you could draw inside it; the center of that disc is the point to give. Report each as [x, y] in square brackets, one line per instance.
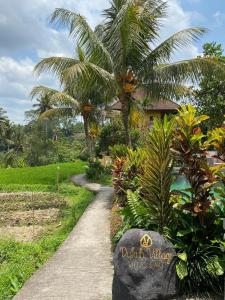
[73, 101]
[43, 104]
[64, 104]
[122, 57]
[3, 121]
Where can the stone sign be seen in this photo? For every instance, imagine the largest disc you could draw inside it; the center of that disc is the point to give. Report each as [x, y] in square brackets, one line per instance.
[144, 267]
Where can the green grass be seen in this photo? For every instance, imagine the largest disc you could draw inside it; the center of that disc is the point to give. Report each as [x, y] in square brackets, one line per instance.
[46, 175]
[18, 260]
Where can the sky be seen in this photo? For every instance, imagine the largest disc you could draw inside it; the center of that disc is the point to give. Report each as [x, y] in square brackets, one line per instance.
[26, 37]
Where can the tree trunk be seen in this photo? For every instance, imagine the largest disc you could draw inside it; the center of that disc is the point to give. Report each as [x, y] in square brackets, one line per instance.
[126, 121]
[86, 131]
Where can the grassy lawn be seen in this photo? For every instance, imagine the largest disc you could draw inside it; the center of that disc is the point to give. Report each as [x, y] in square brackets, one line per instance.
[41, 175]
[19, 259]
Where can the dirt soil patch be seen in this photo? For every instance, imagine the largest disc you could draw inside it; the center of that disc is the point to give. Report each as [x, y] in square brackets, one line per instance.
[24, 216]
[22, 233]
[116, 220]
[28, 201]
[36, 217]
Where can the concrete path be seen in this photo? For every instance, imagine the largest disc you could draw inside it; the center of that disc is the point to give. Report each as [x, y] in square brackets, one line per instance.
[81, 268]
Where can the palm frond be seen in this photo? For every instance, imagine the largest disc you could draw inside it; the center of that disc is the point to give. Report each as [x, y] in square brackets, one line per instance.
[192, 69]
[42, 91]
[179, 40]
[186, 70]
[128, 32]
[61, 98]
[88, 74]
[55, 65]
[85, 36]
[58, 112]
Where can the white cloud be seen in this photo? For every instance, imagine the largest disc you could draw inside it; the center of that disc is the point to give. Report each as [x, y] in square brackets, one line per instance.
[219, 18]
[177, 20]
[16, 82]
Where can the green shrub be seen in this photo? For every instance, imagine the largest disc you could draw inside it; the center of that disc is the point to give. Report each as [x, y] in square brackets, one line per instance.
[95, 170]
[119, 150]
[113, 134]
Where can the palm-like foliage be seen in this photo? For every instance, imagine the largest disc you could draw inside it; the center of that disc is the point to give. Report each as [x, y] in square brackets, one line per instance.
[3, 121]
[5, 130]
[43, 104]
[120, 53]
[64, 104]
[157, 178]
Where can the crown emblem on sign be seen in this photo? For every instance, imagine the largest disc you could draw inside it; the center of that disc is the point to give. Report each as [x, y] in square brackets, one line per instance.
[146, 241]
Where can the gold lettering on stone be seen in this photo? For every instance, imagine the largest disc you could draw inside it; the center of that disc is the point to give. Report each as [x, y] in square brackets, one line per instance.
[137, 257]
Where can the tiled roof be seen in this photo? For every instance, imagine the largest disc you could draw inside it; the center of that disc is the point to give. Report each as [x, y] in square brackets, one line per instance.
[160, 105]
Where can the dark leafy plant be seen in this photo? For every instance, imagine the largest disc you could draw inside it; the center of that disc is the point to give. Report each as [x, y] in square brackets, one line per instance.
[198, 213]
[126, 174]
[189, 150]
[200, 254]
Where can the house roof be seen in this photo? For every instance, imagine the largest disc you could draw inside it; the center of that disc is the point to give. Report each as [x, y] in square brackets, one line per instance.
[160, 105]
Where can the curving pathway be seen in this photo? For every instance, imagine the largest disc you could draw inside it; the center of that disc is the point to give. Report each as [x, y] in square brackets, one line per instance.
[81, 268]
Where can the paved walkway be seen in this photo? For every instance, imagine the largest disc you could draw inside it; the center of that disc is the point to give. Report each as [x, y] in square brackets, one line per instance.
[81, 268]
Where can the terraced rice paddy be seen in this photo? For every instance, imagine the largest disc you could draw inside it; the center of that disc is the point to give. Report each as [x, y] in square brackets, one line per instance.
[26, 215]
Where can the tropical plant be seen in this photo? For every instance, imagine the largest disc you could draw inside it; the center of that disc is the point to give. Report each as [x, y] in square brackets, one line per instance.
[199, 267]
[112, 134]
[200, 250]
[216, 138]
[121, 57]
[198, 210]
[126, 174]
[157, 176]
[189, 150]
[118, 150]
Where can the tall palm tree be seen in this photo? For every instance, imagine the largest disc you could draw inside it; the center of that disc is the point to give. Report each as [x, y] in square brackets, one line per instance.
[122, 57]
[72, 100]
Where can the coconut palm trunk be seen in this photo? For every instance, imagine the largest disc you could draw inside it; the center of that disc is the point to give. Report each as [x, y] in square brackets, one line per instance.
[126, 120]
[86, 131]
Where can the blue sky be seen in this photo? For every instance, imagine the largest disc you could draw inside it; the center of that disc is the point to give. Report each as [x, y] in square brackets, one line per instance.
[26, 37]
